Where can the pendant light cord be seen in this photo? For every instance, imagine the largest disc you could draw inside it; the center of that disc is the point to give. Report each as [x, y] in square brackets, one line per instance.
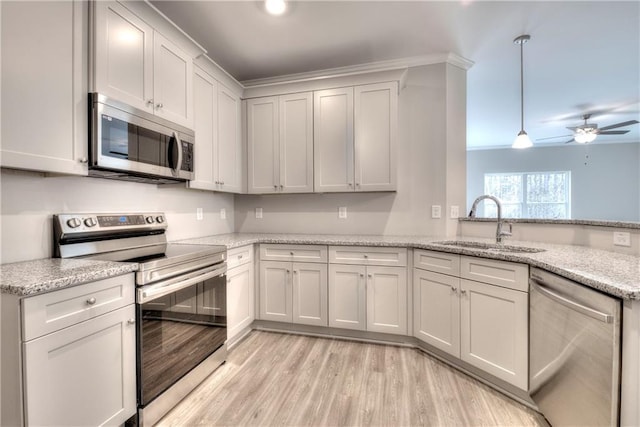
[521, 86]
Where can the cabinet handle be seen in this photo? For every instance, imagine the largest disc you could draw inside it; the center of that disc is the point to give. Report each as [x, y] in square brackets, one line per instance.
[131, 321]
[91, 301]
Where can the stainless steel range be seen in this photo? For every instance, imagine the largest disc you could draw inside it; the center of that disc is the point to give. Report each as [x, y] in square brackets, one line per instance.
[180, 300]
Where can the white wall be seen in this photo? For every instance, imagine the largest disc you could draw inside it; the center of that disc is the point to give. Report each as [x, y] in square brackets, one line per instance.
[29, 200]
[431, 170]
[604, 177]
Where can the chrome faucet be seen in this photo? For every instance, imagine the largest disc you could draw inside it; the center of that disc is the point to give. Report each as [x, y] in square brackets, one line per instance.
[499, 233]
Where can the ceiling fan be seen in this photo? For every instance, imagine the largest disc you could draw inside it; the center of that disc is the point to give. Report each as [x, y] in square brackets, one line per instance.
[588, 132]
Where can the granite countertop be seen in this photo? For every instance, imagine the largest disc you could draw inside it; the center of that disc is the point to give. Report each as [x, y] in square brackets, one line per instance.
[43, 275]
[613, 273]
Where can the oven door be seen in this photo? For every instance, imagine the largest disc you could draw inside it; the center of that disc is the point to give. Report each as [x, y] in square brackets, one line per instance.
[181, 322]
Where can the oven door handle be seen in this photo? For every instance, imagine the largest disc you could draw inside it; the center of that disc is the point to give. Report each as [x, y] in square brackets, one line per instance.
[157, 290]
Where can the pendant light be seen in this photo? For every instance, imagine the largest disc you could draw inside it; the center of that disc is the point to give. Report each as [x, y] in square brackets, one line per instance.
[522, 140]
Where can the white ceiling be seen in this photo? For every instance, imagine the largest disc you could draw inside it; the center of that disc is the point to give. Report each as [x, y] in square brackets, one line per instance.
[582, 57]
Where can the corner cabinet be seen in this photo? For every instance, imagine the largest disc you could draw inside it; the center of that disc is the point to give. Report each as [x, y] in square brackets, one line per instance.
[218, 139]
[44, 86]
[139, 66]
[78, 357]
[474, 309]
[280, 144]
[355, 138]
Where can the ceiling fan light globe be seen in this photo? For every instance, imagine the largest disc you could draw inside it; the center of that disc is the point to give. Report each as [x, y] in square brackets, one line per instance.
[585, 137]
[522, 141]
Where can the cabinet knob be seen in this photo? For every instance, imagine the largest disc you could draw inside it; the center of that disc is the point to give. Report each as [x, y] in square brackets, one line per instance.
[288, 271]
[83, 160]
[131, 321]
[361, 275]
[159, 105]
[295, 271]
[463, 291]
[454, 289]
[369, 276]
[91, 301]
[150, 102]
[281, 186]
[351, 184]
[366, 256]
[275, 187]
[291, 253]
[221, 182]
[239, 256]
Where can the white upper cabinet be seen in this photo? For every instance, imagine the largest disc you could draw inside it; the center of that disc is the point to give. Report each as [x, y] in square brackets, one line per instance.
[355, 131]
[44, 86]
[280, 143]
[137, 65]
[218, 147]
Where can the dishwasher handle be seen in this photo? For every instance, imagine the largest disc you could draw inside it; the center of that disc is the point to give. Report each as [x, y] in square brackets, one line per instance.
[573, 305]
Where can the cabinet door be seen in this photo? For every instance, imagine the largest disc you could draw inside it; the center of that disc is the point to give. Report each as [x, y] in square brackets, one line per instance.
[172, 82]
[205, 94]
[296, 143]
[310, 294]
[240, 299]
[262, 145]
[494, 331]
[436, 310]
[275, 291]
[83, 375]
[228, 146]
[387, 299]
[376, 129]
[333, 140]
[347, 296]
[123, 55]
[44, 86]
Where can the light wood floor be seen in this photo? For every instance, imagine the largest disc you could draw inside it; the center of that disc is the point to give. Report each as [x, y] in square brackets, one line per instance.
[280, 379]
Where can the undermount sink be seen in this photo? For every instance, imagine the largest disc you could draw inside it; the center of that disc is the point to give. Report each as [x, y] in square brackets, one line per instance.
[499, 247]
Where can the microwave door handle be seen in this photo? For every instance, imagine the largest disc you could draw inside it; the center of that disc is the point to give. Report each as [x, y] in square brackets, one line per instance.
[175, 145]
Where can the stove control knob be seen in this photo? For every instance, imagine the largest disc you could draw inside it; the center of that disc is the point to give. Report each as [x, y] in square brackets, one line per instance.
[90, 222]
[74, 223]
[160, 219]
[149, 220]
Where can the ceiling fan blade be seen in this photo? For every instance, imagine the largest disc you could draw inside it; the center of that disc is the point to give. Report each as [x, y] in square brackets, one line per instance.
[613, 132]
[619, 125]
[553, 137]
[571, 140]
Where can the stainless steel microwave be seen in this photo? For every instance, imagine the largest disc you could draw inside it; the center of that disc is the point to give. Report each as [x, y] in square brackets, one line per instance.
[131, 144]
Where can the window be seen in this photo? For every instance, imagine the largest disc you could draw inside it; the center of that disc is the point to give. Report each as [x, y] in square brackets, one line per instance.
[529, 194]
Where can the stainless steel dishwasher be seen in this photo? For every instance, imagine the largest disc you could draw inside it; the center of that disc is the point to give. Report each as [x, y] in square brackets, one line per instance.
[574, 344]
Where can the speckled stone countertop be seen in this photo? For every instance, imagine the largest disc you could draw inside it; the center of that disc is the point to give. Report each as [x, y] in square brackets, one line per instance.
[634, 225]
[43, 275]
[613, 273]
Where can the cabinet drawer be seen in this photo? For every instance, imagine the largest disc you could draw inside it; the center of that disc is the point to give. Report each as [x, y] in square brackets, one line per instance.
[298, 253]
[439, 262]
[53, 311]
[239, 256]
[396, 257]
[502, 273]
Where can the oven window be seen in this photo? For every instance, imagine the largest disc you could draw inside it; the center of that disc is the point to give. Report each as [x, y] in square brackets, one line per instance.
[178, 332]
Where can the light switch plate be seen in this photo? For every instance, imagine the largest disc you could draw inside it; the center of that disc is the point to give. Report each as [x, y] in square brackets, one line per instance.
[258, 213]
[199, 214]
[223, 213]
[621, 238]
[436, 211]
[342, 212]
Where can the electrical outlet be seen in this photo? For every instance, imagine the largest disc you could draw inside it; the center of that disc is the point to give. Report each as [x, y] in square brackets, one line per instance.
[199, 214]
[258, 213]
[621, 238]
[455, 212]
[342, 212]
[436, 211]
[223, 213]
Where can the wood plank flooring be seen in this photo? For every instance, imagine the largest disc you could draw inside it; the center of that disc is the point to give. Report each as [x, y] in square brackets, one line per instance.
[291, 380]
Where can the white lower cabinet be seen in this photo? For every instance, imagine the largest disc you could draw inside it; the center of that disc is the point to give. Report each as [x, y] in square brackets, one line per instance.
[481, 323]
[293, 292]
[368, 297]
[240, 299]
[83, 375]
[79, 354]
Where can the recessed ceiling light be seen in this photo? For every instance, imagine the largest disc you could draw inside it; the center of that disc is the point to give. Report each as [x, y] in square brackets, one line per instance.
[275, 7]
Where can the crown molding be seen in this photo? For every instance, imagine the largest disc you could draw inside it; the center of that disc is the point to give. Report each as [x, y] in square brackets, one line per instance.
[392, 64]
